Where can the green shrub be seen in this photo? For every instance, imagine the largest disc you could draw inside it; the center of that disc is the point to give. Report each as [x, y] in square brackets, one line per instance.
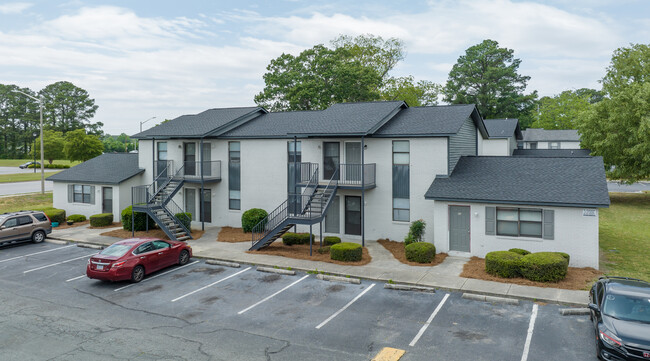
[52, 166]
[416, 232]
[252, 217]
[331, 240]
[140, 220]
[520, 251]
[420, 252]
[565, 255]
[76, 218]
[324, 250]
[346, 252]
[101, 220]
[289, 239]
[503, 263]
[544, 266]
[56, 215]
[185, 218]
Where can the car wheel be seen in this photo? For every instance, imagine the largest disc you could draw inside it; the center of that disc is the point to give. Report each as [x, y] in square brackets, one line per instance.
[137, 274]
[38, 236]
[184, 257]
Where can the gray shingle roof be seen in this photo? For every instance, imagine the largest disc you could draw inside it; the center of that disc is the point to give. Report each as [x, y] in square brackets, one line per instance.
[544, 135]
[578, 182]
[503, 128]
[110, 168]
[427, 120]
[552, 153]
[197, 125]
[275, 125]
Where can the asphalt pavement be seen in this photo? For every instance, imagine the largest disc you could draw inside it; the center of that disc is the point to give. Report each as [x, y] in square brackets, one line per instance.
[16, 170]
[206, 312]
[635, 187]
[24, 187]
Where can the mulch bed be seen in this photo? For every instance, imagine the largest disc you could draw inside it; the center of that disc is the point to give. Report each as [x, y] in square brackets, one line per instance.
[115, 224]
[301, 251]
[397, 249]
[576, 278]
[76, 224]
[233, 235]
[153, 233]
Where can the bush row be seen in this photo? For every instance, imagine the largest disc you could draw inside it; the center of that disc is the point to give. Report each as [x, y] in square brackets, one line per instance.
[185, 218]
[289, 238]
[47, 165]
[140, 220]
[76, 218]
[101, 220]
[56, 215]
[539, 266]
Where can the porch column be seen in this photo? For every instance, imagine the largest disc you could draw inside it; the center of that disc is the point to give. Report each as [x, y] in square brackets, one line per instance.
[295, 180]
[363, 194]
[202, 184]
[153, 161]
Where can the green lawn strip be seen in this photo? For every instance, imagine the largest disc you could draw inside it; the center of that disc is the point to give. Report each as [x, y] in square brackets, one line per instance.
[23, 177]
[17, 162]
[625, 235]
[35, 202]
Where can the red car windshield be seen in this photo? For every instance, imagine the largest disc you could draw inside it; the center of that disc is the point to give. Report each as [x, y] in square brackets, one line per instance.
[117, 250]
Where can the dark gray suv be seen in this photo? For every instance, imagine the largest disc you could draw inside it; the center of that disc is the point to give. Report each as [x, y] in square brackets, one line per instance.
[24, 226]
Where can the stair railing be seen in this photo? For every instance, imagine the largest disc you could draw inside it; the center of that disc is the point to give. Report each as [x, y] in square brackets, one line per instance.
[174, 211]
[266, 225]
[176, 175]
[331, 186]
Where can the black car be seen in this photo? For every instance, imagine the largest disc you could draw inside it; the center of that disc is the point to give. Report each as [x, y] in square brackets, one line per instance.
[620, 311]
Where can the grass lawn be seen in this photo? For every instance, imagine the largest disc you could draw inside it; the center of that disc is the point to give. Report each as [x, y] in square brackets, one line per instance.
[24, 177]
[37, 202]
[625, 235]
[17, 162]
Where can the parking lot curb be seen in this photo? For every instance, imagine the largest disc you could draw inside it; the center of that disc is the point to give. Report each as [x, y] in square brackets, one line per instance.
[56, 241]
[491, 299]
[323, 277]
[406, 287]
[89, 245]
[276, 270]
[216, 262]
[574, 311]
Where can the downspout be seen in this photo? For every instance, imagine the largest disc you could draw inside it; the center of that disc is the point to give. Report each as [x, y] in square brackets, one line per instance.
[153, 161]
[363, 194]
[202, 185]
[295, 178]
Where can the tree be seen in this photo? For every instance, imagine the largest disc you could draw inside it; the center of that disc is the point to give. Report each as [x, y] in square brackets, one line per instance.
[18, 121]
[618, 127]
[414, 94]
[372, 51]
[80, 146]
[120, 144]
[68, 107]
[53, 143]
[561, 111]
[487, 76]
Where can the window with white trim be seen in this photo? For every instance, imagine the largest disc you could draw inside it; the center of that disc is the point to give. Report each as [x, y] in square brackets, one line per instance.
[82, 193]
[519, 222]
[554, 145]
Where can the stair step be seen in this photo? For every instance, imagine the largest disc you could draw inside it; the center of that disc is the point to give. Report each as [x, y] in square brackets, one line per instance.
[182, 238]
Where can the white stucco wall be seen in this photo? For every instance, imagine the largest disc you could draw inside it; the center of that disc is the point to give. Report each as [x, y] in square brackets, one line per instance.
[495, 147]
[570, 145]
[575, 234]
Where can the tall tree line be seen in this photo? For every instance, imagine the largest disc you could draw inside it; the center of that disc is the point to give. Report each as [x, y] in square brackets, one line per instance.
[66, 108]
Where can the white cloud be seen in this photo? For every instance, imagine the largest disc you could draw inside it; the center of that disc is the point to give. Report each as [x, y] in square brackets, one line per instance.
[14, 8]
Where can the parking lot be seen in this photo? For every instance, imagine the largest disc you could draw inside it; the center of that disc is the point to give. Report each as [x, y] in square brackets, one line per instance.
[204, 312]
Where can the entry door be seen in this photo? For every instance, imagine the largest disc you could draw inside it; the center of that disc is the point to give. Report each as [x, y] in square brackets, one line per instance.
[352, 168]
[190, 158]
[190, 202]
[353, 215]
[331, 159]
[107, 199]
[459, 235]
[207, 206]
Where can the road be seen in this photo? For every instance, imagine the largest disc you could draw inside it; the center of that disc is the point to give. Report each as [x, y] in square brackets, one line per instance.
[23, 187]
[203, 312]
[16, 170]
[635, 187]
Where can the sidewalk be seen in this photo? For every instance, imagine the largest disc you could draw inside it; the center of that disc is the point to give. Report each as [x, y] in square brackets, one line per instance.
[384, 267]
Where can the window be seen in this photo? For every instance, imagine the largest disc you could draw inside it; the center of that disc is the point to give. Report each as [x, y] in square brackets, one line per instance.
[518, 222]
[23, 220]
[160, 244]
[294, 172]
[81, 193]
[10, 223]
[533, 145]
[40, 216]
[554, 145]
[401, 180]
[147, 247]
[234, 175]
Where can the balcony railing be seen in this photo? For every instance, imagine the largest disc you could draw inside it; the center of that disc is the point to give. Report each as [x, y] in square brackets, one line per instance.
[350, 174]
[209, 170]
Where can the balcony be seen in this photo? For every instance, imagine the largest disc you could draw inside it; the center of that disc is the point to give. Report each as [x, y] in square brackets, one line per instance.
[348, 175]
[210, 170]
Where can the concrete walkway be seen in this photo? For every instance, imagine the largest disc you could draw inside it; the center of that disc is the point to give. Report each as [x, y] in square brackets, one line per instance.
[383, 267]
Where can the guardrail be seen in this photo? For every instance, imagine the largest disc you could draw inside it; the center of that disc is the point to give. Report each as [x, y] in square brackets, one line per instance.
[209, 169]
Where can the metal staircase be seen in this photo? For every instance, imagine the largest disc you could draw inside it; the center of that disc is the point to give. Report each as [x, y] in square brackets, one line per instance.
[309, 207]
[155, 200]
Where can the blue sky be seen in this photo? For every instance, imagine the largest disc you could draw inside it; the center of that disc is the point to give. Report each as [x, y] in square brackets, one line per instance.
[140, 59]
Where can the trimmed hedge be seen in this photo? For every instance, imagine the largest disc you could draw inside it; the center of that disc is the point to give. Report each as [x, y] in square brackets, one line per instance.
[185, 218]
[289, 239]
[47, 165]
[101, 220]
[76, 218]
[324, 250]
[520, 251]
[56, 215]
[543, 266]
[565, 255]
[251, 218]
[420, 252]
[331, 240]
[503, 263]
[346, 252]
[140, 220]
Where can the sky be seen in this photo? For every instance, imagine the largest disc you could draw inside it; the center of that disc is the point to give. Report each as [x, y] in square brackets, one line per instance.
[162, 58]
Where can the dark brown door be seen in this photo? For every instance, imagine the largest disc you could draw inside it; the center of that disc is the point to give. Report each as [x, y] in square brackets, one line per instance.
[331, 159]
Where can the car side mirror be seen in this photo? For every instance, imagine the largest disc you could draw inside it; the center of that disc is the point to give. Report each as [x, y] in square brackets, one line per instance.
[594, 307]
[2, 227]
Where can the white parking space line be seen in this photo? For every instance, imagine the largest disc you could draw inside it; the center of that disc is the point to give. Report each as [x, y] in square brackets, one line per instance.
[426, 325]
[76, 278]
[58, 263]
[271, 296]
[162, 274]
[210, 285]
[346, 306]
[32, 254]
[529, 336]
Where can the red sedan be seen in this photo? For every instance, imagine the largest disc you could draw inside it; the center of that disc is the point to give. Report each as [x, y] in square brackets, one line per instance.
[132, 259]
